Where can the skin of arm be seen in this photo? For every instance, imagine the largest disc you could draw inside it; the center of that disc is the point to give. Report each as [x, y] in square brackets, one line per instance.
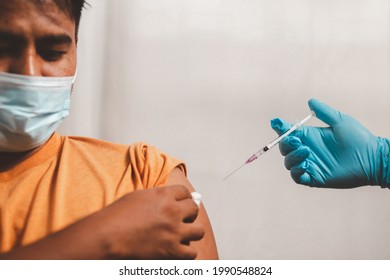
[206, 247]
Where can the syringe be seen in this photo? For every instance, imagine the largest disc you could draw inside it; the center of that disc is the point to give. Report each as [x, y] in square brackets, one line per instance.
[272, 144]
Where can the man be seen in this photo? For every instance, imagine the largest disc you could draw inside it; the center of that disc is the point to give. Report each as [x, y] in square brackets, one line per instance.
[72, 197]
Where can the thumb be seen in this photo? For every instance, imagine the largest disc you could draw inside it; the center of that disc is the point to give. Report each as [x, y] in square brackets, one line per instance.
[324, 112]
[280, 126]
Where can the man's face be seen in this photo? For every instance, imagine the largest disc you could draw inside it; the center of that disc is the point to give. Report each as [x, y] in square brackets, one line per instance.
[36, 39]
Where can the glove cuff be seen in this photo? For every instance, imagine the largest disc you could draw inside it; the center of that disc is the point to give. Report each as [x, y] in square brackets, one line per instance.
[383, 170]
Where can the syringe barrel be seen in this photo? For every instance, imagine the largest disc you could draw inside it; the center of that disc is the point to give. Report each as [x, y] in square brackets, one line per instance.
[291, 130]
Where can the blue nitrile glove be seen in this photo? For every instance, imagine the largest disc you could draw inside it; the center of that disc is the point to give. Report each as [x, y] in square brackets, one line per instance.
[343, 155]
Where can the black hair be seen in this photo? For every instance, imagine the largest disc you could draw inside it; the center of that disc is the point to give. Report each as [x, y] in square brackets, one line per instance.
[73, 8]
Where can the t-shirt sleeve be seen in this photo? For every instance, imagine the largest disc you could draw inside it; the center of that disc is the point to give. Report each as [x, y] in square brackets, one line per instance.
[151, 166]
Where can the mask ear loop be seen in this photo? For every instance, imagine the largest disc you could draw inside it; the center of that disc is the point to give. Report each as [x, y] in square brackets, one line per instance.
[74, 76]
[73, 80]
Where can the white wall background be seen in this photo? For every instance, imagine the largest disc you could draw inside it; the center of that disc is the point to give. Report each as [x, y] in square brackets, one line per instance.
[200, 79]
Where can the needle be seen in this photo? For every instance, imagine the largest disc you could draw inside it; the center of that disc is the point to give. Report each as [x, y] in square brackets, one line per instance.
[272, 144]
[234, 171]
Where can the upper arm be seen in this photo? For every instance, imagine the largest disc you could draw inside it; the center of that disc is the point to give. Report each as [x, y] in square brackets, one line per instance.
[206, 247]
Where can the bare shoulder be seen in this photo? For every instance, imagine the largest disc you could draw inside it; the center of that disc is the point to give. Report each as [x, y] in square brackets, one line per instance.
[207, 249]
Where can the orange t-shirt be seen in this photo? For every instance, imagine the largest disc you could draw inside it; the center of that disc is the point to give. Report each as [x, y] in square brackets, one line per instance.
[70, 178]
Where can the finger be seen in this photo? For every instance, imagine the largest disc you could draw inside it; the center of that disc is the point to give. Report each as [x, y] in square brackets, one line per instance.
[193, 232]
[180, 192]
[280, 126]
[186, 252]
[289, 144]
[296, 157]
[298, 170]
[324, 112]
[305, 179]
[190, 210]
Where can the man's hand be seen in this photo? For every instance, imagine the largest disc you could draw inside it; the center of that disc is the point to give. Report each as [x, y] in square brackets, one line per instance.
[153, 224]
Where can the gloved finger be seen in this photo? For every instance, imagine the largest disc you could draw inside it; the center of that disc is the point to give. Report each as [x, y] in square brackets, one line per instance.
[288, 144]
[296, 157]
[298, 170]
[304, 179]
[324, 112]
[280, 126]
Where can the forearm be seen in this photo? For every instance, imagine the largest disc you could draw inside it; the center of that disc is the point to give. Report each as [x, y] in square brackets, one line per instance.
[82, 240]
[145, 224]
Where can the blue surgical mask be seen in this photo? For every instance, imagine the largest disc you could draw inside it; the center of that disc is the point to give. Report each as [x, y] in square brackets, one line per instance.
[31, 109]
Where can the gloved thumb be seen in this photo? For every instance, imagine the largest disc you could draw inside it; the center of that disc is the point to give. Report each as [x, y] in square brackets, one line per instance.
[324, 112]
[280, 126]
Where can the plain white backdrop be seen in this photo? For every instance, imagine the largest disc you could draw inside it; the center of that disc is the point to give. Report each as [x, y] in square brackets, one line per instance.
[201, 79]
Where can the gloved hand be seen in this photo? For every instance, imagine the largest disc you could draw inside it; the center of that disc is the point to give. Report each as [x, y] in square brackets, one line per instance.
[343, 155]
